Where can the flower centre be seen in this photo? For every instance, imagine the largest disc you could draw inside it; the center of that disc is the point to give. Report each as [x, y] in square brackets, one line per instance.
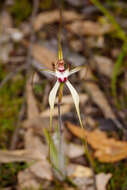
[62, 76]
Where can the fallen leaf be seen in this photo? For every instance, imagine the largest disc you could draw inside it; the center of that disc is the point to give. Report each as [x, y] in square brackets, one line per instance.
[27, 180]
[17, 156]
[81, 176]
[76, 45]
[68, 99]
[99, 97]
[42, 168]
[109, 150]
[103, 64]
[5, 20]
[74, 150]
[64, 109]
[102, 180]
[32, 110]
[44, 56]
[89, 28]
[53, 16]
[76, 170]
[95, 41]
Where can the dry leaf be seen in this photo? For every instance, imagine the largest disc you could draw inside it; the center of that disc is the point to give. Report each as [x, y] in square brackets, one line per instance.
[18, 156]
[99, 97]
[53, 16]
[95, 41]
[89, 28]
[68, 99]
[103, 64]
[109, 150]
[102, 180]
[32, 110]
[74, 150]
[76, 45]
[64, 109]
[5, 20]
[81, 176]
[43, 56]
[75, 170]
[42, 168]
[27, 180]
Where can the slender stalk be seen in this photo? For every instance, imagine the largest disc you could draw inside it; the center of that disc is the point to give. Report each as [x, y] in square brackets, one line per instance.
[61, 156]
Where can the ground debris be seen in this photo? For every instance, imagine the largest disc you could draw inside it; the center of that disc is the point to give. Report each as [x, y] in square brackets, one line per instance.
[50, 17]
[109, 150]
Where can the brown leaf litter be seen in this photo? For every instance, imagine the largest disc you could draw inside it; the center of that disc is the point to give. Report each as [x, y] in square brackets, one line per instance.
[98, 96]
[41, 54]
[89, 28]
[40, 169]
[103, 64]
[82, 176]
[106, 149]
[53, 16]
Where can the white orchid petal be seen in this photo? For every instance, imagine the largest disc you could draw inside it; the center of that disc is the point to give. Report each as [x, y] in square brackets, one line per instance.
[75, 97]
[48, 71]
[52, 97]
[75, 70]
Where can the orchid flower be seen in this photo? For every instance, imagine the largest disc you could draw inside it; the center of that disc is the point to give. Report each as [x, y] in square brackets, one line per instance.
[62, 74]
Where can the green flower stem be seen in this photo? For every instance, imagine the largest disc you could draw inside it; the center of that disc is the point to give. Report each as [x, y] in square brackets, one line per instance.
[61, 155]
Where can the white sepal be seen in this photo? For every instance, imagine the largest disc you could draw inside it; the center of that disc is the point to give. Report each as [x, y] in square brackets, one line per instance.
[48, 71]
[75, 70]
[52, 97]
[75, 97]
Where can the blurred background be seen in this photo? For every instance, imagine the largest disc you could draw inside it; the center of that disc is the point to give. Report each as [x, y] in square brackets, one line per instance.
[94, 33]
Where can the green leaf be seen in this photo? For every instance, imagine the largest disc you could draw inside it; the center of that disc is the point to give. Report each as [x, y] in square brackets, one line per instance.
[52, 149]
[117, 68]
